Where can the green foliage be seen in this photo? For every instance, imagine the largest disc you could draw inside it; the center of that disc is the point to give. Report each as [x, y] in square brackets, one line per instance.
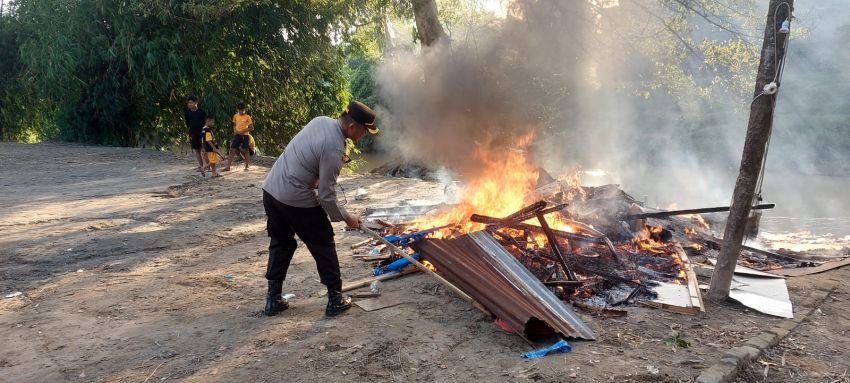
[119, 72]
[676, 340]
[356, 160]
[362, 88]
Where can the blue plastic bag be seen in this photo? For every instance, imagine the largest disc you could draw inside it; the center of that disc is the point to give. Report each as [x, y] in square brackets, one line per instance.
[560, 346]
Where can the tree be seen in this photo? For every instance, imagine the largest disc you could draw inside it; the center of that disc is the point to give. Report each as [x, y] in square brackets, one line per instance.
[428, 22]
[119, 72]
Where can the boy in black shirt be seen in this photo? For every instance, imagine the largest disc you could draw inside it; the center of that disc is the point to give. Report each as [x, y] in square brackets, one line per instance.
[195, 120]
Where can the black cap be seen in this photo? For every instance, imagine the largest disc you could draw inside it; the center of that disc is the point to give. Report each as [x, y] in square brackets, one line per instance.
[362, 114]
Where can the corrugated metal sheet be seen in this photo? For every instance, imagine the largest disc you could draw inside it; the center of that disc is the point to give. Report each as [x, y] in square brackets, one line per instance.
[482, 268]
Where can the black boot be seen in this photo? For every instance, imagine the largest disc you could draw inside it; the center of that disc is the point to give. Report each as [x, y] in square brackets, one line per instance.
[274, 302]
[337, 303]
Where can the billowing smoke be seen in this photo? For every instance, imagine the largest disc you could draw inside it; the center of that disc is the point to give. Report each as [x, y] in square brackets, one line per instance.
[604, 84]
[483, 89]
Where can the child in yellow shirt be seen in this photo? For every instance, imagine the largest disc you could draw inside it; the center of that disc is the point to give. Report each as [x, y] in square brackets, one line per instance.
[243, 124]
[210, 147]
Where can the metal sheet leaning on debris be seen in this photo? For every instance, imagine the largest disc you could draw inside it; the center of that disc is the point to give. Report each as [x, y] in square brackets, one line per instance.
[426, 270]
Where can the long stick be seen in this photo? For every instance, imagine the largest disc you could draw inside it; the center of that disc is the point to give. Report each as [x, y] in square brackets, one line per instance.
[428, 271]
[766, 253]
[528, 210]
[515, 218]
[583, 226]
[361, 243]
[661, 214]
[368, 281]
[559, 233]
[556, 248]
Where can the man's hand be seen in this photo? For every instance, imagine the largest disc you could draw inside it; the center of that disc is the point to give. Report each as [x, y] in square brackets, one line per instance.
[352, 221]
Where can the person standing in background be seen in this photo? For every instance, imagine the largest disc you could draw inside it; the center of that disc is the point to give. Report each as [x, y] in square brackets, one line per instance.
[243, 124]
[195, 120]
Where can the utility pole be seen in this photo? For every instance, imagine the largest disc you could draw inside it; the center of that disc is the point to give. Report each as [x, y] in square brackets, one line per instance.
[755, 145]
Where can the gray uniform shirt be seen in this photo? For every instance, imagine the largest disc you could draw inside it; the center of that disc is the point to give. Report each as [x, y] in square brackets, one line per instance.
[305, 174]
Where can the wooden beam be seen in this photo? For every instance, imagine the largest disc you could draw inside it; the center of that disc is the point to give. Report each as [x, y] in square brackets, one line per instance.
[662, 214]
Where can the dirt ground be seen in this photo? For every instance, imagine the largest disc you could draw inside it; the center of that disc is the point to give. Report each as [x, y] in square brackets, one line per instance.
[818, 349]
[133, 268]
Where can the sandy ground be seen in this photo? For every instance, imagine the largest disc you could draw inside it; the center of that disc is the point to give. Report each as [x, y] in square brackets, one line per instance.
[135, 269]
[818, 349]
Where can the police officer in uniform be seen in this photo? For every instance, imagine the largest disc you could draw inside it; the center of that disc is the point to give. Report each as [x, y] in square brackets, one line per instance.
[299, 196]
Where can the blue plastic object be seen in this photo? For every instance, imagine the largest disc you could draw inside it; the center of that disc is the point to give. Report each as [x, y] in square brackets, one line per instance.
[407, 239]
[396, 265]
[560, 346]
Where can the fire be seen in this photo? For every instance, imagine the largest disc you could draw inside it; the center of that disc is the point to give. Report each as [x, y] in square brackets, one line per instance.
[506, 180]
[644, 240]
[540, 240]
[695, 246]
[572, 180]
[698, 220]
[506, 183]
[429, 265]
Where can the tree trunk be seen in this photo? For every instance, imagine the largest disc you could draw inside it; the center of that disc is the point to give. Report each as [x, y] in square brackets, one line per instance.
[428, 22]
[755, 145]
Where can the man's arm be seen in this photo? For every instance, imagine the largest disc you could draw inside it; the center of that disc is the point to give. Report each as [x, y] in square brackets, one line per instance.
[330, 164]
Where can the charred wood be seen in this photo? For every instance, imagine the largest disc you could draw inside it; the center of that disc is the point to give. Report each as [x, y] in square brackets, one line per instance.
[662, 214]
[556, 247]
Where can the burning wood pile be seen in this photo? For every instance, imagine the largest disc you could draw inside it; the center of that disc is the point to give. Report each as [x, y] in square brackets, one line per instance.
[556, 239]
[596, 248]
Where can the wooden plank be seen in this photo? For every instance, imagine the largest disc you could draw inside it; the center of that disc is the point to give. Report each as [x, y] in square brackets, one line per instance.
[378, 303]
[689, 297]
[600, 310]
[744, 270]
[673, 308]
[693, 283]
[663, 214]
[801, 271]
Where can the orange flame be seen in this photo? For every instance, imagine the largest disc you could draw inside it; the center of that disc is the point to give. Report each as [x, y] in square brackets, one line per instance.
[643, 240]
[506, 184]
[429, 265]
[698, 220]
[506, 180]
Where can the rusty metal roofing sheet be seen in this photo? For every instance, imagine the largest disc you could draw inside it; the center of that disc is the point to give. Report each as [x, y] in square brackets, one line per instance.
[482, 268]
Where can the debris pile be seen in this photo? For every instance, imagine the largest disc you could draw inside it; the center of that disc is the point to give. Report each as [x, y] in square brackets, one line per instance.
[594, 248]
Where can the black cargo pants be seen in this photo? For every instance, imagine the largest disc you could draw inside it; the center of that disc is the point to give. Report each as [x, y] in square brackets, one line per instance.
[312, 226]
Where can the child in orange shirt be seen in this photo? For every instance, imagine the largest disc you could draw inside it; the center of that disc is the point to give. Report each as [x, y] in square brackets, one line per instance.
[243, 124]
